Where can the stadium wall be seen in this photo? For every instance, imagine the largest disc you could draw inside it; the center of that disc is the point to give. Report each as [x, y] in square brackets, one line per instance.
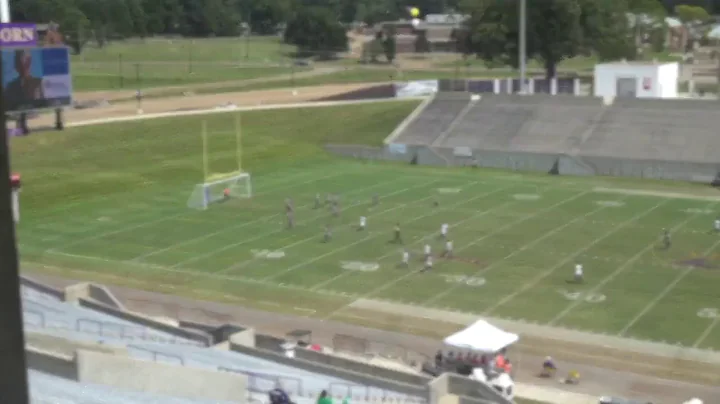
[53, 363]
[550, 163]
[471, 390]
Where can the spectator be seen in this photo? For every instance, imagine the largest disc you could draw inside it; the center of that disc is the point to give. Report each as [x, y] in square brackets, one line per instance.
[279, 396]
[439, 358]
[324, 398]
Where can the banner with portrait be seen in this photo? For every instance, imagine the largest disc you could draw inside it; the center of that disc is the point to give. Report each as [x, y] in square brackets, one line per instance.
[36, 78]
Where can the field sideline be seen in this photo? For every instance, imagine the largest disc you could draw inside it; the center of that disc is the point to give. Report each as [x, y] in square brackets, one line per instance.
[517, 237]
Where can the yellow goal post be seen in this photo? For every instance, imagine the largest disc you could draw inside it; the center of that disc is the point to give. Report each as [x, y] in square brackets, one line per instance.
[221, 186]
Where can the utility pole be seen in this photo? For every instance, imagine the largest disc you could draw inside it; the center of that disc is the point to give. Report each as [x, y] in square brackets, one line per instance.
[522, 46]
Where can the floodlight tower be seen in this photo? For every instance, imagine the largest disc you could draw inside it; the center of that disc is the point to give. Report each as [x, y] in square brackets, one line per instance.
[522, 46]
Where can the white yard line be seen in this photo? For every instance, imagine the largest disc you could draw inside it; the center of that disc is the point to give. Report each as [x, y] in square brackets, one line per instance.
[444, 293]
[664, 293]
[159, 220]
[433, 212]
[617, 272]
[310, 220]
[566, 261]
[511, 224]
[707, 332]
[315, 238]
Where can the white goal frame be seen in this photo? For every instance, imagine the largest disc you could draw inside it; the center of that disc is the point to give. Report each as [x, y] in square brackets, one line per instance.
[238, 186]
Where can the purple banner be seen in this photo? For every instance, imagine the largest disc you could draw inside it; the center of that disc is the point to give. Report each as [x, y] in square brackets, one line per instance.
[18, 34]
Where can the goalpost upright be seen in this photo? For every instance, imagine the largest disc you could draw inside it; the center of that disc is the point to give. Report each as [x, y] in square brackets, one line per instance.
[222, 185]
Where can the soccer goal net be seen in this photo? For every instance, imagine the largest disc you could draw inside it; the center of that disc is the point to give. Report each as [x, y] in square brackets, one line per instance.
[223, 176]
[218, 189]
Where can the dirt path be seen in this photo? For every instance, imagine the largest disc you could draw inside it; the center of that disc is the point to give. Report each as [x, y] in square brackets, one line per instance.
[596, 380]
[202, 101]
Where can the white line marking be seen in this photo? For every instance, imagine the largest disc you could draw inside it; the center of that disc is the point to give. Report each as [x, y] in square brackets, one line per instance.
[565, 261]
[310, 220]
[314, 237]
[664, 292]
[152, 222]
[707, 332]
[344, 247]
[400, 278]
[617, 272]
[444, 293]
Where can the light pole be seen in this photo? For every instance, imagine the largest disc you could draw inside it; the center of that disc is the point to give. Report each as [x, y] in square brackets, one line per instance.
[522, 51]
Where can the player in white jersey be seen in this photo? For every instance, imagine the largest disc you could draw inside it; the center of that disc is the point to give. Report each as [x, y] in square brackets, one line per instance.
[448, 253]
[578, 273]
[428, 264]
[405, 259]
[363, 223]
[717, 225]
[426, 250]
[444, 230]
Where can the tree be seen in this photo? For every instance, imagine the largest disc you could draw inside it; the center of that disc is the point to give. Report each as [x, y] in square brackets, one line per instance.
[689, 14]
[264, 16]
[74, 24]
[316, 30]
[556, 30]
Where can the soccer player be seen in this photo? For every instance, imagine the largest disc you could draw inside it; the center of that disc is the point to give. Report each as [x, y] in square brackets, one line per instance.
[667, 243]
[290, 219]
[363, 222]
[328, 235]
[717, 225]
[448, 253]
[428, 264]
[398, 238]
[578, 273]
[318, 204]
[335, 208]
[226, 194]
[444, 230]
[405, 259]
[375, 200]
[426, 251]
[289, 205]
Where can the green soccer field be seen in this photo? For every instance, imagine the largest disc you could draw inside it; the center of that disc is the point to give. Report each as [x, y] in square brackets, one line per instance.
[109, 203]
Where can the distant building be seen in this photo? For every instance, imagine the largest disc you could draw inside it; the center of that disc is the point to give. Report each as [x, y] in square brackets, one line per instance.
[438, 29]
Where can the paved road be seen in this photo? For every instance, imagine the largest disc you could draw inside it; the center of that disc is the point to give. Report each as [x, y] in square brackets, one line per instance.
[596, 381]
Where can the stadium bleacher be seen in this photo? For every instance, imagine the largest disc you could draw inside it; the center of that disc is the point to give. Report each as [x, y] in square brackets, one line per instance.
[566, 134]
[78, 355]
[46, 314]
[49, 389]
[435, 118]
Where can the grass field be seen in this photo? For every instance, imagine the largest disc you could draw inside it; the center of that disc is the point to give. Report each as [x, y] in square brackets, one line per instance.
[166, 62]
[109, 201]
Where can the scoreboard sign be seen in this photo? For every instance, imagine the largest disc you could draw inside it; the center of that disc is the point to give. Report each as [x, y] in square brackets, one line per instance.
[18, 35]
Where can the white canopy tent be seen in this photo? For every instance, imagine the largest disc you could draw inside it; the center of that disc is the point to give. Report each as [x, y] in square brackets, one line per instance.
[482, 337]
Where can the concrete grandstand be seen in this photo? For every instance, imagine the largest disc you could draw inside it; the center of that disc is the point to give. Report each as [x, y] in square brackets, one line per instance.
[563, 134]
[83, 348]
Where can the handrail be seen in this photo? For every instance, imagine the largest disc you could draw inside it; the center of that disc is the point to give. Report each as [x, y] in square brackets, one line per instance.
[156, 354]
